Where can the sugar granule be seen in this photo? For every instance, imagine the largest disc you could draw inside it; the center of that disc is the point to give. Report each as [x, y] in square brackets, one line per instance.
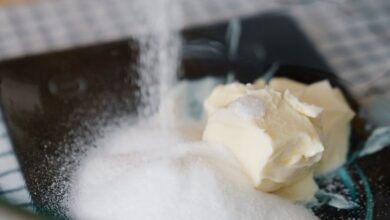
[142, 172]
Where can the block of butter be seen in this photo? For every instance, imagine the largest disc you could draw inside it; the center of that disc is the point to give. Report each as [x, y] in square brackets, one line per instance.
[282, 133]
[333, 124]
[271, 134]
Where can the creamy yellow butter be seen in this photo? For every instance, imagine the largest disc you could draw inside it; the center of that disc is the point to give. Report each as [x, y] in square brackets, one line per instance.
[270, 133]
[334, 122]
[283, 133]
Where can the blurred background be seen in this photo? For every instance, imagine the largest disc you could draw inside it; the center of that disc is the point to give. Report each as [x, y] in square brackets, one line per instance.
[353, 36]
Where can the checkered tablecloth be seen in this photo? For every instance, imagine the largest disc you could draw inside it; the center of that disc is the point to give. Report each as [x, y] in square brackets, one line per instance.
[354, 37]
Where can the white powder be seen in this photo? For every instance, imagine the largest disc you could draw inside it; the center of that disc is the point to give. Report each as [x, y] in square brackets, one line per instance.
[248, 107]
[159, 52]
[143, 173]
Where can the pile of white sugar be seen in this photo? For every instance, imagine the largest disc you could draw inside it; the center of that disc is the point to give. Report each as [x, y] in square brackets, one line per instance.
[141, 172]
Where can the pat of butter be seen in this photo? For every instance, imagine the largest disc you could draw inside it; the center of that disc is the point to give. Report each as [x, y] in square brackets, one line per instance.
[224, 94]
[302, 190]
[270, 133]
[333, 124]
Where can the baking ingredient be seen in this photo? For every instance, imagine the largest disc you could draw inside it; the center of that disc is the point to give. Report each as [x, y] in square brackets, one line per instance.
[333, 123]
[142, 172]
[270, 133]
[223, 95]
[159, 53]
[145, 172]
